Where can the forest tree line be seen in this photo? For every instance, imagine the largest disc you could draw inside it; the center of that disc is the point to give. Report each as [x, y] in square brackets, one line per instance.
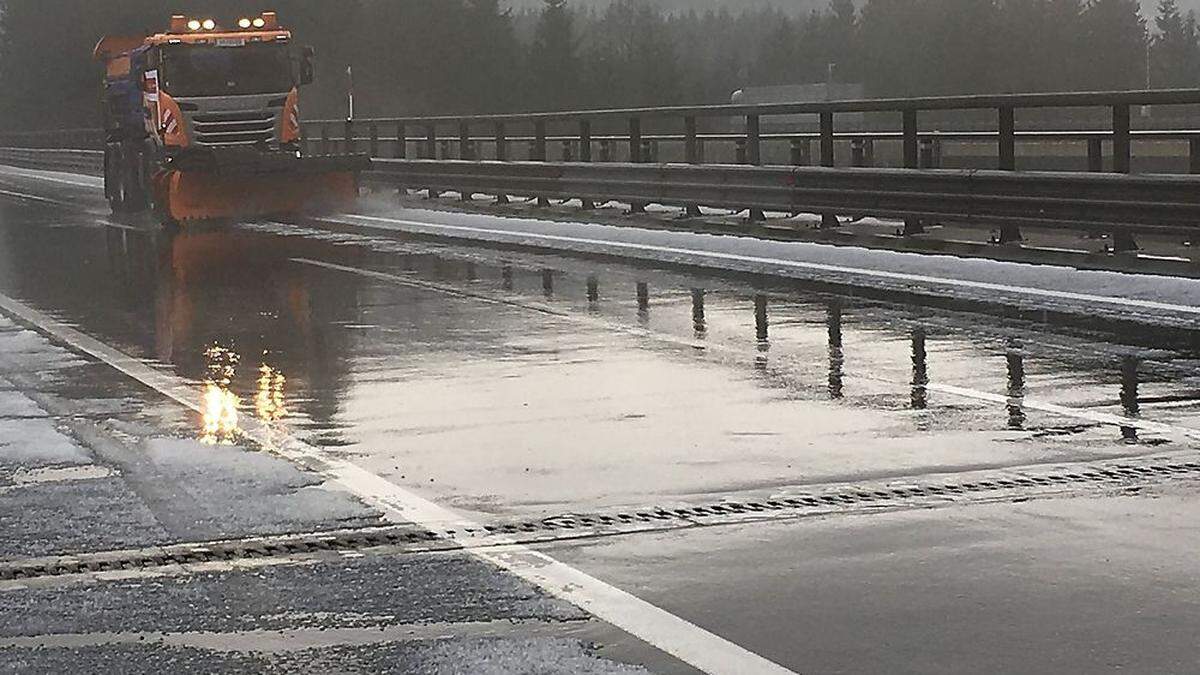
[454, 56]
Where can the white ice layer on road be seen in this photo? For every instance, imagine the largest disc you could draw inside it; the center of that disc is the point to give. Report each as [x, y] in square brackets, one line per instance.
[1141, 297]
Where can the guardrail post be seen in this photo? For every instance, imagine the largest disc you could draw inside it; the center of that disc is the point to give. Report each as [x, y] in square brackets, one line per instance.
[691, 155]
[305, 140]
[800, 150]
[537, 151]
[585, 153]
[1008, 139]
[635, 140]
[348, 140]
[606, 150]
[828, 219]
[324, 139]
[927, 161]
[1007, 150]
[689, 140]
[401, 150]
[374, 148]
[912, 160]
[464, 141]
[501, 155]
[1122, 239]
[753, 141]
[858, 154]
[827, 158]
[1095, 152]
[501, 143]
[635, 155]
[754, 156]
[431, 141]
[1121, 149]
[568, 151]
[464, 153]
[1194, 155]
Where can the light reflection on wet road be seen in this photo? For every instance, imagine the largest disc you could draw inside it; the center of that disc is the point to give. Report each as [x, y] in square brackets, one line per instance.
[521, 383]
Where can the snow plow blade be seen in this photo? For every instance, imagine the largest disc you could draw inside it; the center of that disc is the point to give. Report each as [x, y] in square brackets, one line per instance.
[257, 184]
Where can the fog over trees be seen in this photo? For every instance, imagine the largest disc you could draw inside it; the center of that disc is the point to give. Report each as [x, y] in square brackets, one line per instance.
[449, 56]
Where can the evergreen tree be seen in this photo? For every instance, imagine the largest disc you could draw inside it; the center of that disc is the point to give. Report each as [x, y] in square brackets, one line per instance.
[1114, 45]
[553, 61]
[1174, 50]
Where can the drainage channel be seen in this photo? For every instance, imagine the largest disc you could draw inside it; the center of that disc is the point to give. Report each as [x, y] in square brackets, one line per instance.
[1015, 484]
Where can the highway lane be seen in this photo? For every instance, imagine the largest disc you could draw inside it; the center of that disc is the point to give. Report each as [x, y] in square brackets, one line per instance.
[519, 385]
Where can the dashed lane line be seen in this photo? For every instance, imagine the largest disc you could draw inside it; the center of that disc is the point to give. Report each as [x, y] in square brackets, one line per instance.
[678, 637]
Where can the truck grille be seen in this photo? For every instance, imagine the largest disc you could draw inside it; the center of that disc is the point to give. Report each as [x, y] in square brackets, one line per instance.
[233, 128]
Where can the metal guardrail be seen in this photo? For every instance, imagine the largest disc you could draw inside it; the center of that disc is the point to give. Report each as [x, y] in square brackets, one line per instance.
[686, 119]
[1101, 202]
[916, 190]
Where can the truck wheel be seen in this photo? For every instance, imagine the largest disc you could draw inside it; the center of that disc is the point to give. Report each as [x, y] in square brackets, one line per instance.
[132, 183]
[112, 176]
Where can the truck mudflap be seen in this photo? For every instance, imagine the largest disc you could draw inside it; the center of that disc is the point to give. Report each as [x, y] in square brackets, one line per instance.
[246, 185]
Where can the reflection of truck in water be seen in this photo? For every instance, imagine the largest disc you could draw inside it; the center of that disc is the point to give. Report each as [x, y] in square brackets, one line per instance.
[203, 122]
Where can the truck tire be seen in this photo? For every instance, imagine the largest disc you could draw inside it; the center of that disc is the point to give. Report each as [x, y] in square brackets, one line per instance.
[113, 172]
[134, 192]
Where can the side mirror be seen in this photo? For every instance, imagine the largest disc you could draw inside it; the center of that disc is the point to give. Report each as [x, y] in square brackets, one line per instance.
[307, 69]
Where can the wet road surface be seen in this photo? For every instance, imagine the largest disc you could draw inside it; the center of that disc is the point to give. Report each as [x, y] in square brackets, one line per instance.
[521, 386]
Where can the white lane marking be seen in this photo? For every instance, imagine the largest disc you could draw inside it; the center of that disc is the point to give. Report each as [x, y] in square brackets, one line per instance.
[1089, 415]
[36, 198]
[962, 392]
[60, 474]
[91, 182]
[796, 264]
[689, 643]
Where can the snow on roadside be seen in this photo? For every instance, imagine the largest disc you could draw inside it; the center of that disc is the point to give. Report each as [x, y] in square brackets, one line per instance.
[1144, 298]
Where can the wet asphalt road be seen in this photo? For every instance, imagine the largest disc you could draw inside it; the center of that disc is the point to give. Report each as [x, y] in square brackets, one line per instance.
[518, 385]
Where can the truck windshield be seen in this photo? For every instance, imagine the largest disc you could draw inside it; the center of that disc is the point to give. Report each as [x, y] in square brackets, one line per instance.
[205, 70]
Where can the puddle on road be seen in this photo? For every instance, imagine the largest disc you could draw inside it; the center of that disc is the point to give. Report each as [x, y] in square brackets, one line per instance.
[544, 380]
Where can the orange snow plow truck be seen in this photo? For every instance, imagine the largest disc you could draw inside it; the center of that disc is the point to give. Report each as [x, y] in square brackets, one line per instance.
[203, 121]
